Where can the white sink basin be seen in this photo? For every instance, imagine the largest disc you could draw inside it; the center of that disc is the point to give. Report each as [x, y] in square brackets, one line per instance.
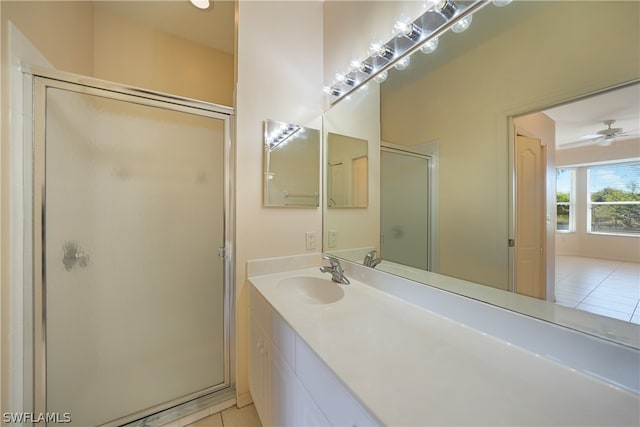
[312, 290]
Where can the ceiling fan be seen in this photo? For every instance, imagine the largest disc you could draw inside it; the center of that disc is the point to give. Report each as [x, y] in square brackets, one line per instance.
[604, 137]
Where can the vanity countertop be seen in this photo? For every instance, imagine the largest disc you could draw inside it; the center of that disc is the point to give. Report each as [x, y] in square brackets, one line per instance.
[410, 366]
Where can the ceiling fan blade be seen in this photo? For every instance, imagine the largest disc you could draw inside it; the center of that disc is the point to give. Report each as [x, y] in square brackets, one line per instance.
[580, 142]
[629, 132]
[590, 136]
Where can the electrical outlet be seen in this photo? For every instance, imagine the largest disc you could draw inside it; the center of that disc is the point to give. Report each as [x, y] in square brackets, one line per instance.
[310, 240]
[333, 239]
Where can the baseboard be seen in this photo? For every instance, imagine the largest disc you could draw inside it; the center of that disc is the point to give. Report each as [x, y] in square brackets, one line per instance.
[244, 399]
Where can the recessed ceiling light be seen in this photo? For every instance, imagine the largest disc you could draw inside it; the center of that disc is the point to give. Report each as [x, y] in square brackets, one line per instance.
[200, 4]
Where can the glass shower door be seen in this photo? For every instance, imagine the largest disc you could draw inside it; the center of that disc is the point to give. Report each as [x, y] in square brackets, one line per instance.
[404, 208]
[133, 283]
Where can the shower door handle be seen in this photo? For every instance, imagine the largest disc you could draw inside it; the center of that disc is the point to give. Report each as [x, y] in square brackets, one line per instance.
[74, 255]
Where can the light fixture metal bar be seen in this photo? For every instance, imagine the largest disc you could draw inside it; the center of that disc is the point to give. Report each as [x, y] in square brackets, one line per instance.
[468, 10]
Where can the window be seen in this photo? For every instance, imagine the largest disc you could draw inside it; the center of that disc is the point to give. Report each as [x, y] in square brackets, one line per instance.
[614, 199]
[565, 208]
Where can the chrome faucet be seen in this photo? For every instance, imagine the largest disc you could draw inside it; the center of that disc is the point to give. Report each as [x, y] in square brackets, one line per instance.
[370, 259]
[336, 270]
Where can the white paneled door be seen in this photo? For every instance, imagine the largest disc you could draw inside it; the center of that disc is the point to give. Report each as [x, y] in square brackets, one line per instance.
[530, 167]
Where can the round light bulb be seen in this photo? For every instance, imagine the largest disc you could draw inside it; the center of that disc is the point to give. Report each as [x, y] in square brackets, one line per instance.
[374, 48]
[462, 25]
[381, 77]
[501, 3]
[430, 46]
[403, 63]
[200, 4]
[429, 4]
[400, 28]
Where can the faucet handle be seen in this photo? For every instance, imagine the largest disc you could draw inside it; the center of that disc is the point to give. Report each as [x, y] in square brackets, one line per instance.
[332, 260]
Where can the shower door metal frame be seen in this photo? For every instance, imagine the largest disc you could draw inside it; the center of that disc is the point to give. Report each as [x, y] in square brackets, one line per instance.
[37, 81]
[432, 194]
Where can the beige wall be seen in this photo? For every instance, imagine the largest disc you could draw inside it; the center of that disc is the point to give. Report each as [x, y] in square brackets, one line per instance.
[581, 243]
[469, 100]
[61, 30]
[128, 53]
[280, 78]
[76, 37]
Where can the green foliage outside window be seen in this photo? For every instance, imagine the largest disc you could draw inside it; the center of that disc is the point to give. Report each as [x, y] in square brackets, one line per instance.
[562, 211]
[613, 216]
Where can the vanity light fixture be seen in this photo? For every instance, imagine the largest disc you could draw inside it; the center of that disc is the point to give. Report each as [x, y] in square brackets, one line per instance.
[403, 63]
[409, 36]
[200, 4]
[407, 29]
[462, 25]
[365, 67]
[381, 77]
[282, 136]
[447, 9]
[430, 46]
[333, 91]
[386, 52]
[381, 50]
[348, 79]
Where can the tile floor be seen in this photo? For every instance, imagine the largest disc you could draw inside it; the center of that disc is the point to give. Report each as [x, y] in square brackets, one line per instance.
[231, 417]
[609, 288]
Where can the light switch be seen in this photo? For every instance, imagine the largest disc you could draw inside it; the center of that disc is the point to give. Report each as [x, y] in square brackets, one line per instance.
[310, 240]
[333, 239]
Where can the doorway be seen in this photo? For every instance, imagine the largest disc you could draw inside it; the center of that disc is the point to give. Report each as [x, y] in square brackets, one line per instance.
[132, 296]
[591, 213]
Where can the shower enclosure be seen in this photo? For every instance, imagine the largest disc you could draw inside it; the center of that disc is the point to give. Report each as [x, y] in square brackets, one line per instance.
[131, 235]
[405, 208]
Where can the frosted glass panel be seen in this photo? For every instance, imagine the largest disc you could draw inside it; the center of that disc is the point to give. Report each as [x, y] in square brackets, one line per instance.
[404, 209]
[134, 285]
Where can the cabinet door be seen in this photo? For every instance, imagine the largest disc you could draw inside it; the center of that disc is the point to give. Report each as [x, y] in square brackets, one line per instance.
[334, 400]
[259, 370]
[307, 412]
[282, 390]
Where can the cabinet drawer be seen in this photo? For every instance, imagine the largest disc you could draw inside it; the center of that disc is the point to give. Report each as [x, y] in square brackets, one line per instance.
[337, 403]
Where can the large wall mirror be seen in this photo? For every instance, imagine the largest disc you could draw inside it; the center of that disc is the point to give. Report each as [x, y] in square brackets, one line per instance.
[347, 171]
[461, 116]
[291, 165]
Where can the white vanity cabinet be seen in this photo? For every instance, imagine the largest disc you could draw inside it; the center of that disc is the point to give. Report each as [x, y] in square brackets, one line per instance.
[289, 384]
[271, 376]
